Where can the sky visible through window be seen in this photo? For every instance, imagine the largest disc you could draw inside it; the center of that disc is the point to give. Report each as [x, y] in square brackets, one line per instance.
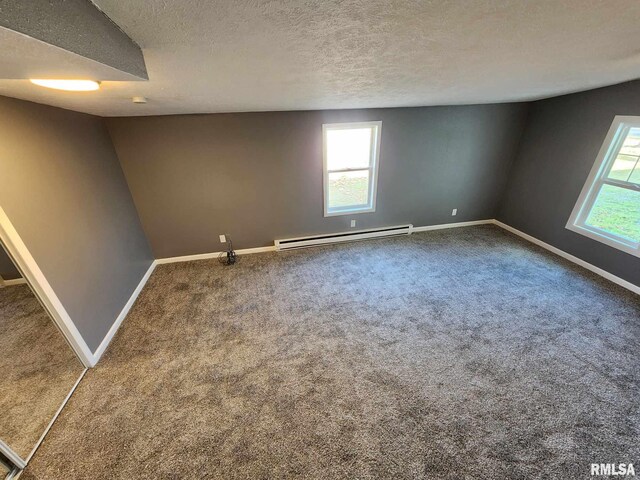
[348, 162]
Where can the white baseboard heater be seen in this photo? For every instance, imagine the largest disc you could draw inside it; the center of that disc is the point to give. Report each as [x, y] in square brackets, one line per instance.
[303, 242]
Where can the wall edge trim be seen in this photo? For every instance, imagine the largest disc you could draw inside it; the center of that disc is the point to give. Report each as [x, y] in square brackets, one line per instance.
[123, 314]
[572, 258]
[272, 248]
[208, 256]
[442, 226]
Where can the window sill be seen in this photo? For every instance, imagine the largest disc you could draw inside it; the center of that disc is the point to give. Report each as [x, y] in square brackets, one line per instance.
[622, 245]
[352, 211]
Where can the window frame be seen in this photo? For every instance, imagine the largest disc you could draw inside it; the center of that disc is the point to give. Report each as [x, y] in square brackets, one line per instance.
[374, 162]
[597, 179]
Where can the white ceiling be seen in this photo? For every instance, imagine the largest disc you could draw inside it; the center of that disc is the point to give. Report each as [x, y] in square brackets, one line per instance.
[256, 55]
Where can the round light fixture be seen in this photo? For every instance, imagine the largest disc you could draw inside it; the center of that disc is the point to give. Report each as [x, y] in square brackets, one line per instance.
[68, 85]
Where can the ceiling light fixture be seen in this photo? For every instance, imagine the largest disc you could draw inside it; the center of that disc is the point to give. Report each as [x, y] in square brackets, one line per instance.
[68, 85]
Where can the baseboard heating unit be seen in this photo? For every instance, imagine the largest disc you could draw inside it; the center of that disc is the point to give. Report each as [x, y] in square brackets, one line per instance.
[304, 242]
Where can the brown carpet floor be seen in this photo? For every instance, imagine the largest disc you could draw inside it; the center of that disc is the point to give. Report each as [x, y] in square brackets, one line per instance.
[463, 353]
[38, 369]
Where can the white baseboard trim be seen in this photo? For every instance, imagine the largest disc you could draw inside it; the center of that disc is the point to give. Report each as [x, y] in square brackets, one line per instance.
[114, 328]
[15, 281]
[248, 251]
[207, 256]
[597, 270]
[442, 226]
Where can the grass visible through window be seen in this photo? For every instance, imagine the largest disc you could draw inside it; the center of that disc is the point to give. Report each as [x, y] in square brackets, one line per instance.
[617, 211]
[348, 190]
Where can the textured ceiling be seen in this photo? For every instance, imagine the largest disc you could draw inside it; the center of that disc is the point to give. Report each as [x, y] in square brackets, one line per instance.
[76, 26]
[22, 56]
[252, 55]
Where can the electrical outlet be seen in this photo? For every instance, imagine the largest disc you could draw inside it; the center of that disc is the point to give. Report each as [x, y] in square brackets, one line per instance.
[454, 212]
[223, 239]
[353, 223]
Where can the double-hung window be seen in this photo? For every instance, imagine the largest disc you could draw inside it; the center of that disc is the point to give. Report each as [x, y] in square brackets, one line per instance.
[608, 209]
[351, 153]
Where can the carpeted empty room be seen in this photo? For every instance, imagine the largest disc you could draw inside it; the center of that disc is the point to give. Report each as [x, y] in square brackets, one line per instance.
[362, 361]
[337, 239]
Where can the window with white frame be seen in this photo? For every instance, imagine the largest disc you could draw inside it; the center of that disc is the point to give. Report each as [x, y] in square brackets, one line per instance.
[351, 152]
[608, 209]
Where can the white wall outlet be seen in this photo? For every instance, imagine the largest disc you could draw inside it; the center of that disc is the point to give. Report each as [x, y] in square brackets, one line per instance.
[353, 223]
[223, 239]
[454, 212]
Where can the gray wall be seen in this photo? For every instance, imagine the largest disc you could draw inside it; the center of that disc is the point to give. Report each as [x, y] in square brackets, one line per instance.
[258, 176]
[63, 189]
[561, 141]
[8, 270]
